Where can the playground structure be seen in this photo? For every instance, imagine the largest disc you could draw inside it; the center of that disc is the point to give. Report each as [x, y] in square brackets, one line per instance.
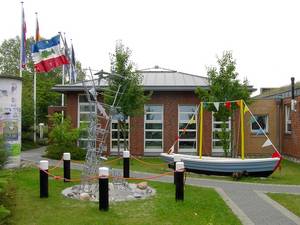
[228, 166]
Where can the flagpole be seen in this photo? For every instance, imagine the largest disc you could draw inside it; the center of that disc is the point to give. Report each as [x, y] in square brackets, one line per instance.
[34, 98]
[242, 129]
[201, 130]
[21, 42]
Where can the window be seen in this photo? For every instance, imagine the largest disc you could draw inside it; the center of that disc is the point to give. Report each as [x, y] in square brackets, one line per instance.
[217, 146]
[114, 135]
[153, 128]
[84, 109]
[288, 121]
[263, 121]
[187, 132]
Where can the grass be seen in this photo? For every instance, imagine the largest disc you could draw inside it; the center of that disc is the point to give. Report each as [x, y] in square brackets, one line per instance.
[288, 174]
[289, 201]
[201, 206]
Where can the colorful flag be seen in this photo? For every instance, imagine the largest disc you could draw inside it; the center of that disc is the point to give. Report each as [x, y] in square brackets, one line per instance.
[73, 65]
[23, 40]
[228, 105]
[192, 120]
[246, 109]
[47, 55]
[171, 150]
[37, 31]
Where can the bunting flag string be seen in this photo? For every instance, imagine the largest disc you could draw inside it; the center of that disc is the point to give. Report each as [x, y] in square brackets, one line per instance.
[267, 143]
[171, 150]
[228, 105]
[192, 120]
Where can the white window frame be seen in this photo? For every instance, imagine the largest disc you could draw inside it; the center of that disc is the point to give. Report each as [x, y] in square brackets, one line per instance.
[187, 150]
[287, 119]
[218, 150]
[78, 117]
[266, 130]
[114, 150]
[156, 150]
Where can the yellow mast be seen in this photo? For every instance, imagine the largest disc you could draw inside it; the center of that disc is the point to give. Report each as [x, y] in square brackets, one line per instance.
[242, 129]
[200, 129]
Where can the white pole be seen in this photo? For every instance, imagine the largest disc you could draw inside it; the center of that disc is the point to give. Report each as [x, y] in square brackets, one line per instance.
[21, 42]
[34, 107]
[63, 95]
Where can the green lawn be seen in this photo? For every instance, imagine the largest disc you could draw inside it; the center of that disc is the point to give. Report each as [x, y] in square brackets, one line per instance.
[201, 206]
[289, 201]
[288, 174]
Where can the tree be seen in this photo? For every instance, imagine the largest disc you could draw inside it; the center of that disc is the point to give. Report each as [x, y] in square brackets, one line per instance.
[132, 99]
[224, 86]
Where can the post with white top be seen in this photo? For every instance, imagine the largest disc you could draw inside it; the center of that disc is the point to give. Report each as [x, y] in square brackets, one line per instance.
[103, 189]
[126, 164]
[176, 159]
[44, 166]
[179, 174]
[67, 166]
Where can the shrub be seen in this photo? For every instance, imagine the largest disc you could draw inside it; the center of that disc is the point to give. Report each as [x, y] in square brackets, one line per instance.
[63, 138]
[55, 151]
[3, 154]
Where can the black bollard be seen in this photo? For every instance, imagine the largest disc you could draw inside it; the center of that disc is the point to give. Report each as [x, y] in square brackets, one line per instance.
[126, 164]
[103, 189]
[176, 159]
[67, 166]
[179, 174]
[44, 179]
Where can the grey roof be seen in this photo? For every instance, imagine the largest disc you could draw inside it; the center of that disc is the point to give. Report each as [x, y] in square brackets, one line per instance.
[156, 79]
[280, 92]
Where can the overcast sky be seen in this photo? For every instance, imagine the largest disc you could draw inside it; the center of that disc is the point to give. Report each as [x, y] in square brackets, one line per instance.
[182, 35]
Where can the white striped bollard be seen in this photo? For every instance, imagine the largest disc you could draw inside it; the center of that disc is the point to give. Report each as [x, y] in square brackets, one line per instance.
[126, 164]
[176, 159]
[103, 189]
[67, 166]
[44, 166]
[179, 174]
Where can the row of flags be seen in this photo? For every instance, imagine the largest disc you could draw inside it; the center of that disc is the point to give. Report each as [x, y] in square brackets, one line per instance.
[47, 54]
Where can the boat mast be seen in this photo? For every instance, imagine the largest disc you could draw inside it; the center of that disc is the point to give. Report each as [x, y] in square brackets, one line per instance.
[242, 129]
[200, 129]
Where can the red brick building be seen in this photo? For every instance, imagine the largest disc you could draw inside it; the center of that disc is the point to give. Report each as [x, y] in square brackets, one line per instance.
[288, 120]
[171, 107]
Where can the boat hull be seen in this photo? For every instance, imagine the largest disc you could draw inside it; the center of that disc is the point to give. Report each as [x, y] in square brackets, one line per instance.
[261, 167]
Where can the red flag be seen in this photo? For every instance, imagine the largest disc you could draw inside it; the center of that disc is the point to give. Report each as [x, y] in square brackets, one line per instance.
[228, 105]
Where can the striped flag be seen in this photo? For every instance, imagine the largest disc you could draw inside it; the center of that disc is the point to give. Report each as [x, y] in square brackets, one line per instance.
[37, 31]
[47, 55]
[23, 40]
[73, 65]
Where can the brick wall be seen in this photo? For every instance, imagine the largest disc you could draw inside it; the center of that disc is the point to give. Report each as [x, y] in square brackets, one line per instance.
[253, 142]
[291, 142]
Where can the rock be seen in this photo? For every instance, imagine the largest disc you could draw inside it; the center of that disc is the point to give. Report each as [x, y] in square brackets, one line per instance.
[136, 195]
[142, 185]
[84, 196]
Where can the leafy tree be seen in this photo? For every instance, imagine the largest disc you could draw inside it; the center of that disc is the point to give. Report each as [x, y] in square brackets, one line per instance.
[224, 86]
[132, 99]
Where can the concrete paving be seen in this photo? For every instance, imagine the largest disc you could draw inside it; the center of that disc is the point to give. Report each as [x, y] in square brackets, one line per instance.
[247, 200]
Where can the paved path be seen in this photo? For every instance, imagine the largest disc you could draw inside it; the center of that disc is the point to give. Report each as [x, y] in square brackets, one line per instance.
[247, 200]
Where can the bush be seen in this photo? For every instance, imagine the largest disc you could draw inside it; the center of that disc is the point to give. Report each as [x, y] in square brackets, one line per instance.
[55, 151]
[63, 138]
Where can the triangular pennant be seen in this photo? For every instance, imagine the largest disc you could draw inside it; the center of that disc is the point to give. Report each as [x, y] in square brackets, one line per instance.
[267, 143]
[238, 103]
[228, 105]
[217, 105]
[192, 120]
[171, 150]
[246, 109]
